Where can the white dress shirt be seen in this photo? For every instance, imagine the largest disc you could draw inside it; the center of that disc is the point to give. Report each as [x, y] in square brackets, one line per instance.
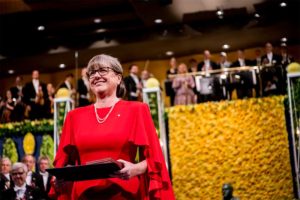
[20, 191]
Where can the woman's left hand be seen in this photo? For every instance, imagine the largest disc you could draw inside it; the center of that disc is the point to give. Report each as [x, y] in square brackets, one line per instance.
[130, 169]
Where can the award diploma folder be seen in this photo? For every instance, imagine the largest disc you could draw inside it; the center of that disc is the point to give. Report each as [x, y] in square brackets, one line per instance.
[97, 169]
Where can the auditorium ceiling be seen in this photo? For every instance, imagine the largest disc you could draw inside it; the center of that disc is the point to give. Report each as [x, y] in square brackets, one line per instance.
[42, 34]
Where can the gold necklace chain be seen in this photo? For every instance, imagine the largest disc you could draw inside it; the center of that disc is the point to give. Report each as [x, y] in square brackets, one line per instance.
[102, 120]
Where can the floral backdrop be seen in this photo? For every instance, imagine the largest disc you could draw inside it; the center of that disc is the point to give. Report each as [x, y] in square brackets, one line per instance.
[242, 142]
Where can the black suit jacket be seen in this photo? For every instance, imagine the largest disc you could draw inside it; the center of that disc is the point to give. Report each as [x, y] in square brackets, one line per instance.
[130, 87]
[237, 63]
[4, 184]
[37, 181]
[212, 64]
[29, 93]
[30, 194]
[276, 59]
[48, 186]
[15, 92]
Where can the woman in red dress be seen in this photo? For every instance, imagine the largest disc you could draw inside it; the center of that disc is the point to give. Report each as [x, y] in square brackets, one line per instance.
[118, 129]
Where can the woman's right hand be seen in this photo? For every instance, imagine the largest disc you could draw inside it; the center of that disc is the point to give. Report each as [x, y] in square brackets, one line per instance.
[61, 186]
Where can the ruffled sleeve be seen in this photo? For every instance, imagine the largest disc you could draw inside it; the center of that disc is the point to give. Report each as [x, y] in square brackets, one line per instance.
[61, 157]
[155, 184]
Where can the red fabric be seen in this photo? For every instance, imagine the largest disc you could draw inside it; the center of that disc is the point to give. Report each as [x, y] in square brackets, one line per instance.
[128, 126]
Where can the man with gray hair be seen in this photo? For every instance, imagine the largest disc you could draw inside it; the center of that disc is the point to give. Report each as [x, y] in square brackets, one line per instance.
[20, 191]
[5, 178]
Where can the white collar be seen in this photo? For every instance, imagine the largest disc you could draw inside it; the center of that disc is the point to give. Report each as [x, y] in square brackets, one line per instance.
[23, 187]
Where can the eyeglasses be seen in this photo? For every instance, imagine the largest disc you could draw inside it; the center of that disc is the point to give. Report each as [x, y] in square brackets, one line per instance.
[17, 173]
[102, 71]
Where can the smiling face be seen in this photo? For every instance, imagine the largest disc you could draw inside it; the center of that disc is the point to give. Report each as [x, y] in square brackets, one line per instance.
[19, 176]
[105, 74]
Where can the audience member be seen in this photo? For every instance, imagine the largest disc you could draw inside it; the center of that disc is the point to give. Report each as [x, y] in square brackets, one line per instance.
[133, 84]
[193, 65]
[21, 191]
[223, 62]
[7, 108]
[145, 75]
[49, 103]
[270, 58]
[68, 84]
[5, 177]
[207, 64]
[33, 179]
[83, 89]
[183, 86]
[242, 81]
[168, 83]
[241, 60]
[17, 94]
[35, 93]
[257, 61]
[286, 58]
[44, 164]
[16, 90]
[272, 78]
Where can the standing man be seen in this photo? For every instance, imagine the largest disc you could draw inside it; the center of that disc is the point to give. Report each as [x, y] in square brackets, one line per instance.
[43, 163]
[270, 58]
[33, 179]
[5, 178]
[207, 64]
[133, 84]
[35, 94]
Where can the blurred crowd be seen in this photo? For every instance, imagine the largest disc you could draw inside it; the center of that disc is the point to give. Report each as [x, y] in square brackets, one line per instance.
[222, 77]
[27, 179]
[35, 99]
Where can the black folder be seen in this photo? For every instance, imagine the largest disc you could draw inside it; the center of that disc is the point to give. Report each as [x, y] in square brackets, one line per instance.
[97, 169]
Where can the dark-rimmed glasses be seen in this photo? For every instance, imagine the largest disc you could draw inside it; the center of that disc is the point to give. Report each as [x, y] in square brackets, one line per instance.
[101, 71]
[17, 173]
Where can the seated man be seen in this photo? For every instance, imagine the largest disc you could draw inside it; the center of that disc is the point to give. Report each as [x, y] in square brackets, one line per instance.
[5, 178]
[21, 190]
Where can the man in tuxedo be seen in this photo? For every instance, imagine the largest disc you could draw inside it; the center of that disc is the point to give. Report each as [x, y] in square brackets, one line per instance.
[272, 77]
[83, 89]
[133, 84]
[5, 177]
[17, 94]
[33, 179]
[35, 94]
[242, 80]
[20, 191]
[207, 64]
[43, 164]
[270, 58]
[68, 84]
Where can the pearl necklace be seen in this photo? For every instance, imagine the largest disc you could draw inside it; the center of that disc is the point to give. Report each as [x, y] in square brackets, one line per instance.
[102, 120]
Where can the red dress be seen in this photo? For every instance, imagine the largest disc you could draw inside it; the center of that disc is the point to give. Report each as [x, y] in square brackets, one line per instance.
[128, 126]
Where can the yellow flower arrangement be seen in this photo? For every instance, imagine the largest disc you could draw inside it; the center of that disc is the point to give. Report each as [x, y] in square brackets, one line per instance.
[242, 142]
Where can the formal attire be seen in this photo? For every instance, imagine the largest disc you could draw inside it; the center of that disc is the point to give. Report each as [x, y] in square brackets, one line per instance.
[272, 77]
[168, 86]
[128, 126]
[83, 92]
[5, 182]
[244, 83]
[46, 181]
[24, 192]
[132, 83]
[30, 91]
[19, 111]
[206, 65]
[271, 59]
[183, 86]
[35, 180]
